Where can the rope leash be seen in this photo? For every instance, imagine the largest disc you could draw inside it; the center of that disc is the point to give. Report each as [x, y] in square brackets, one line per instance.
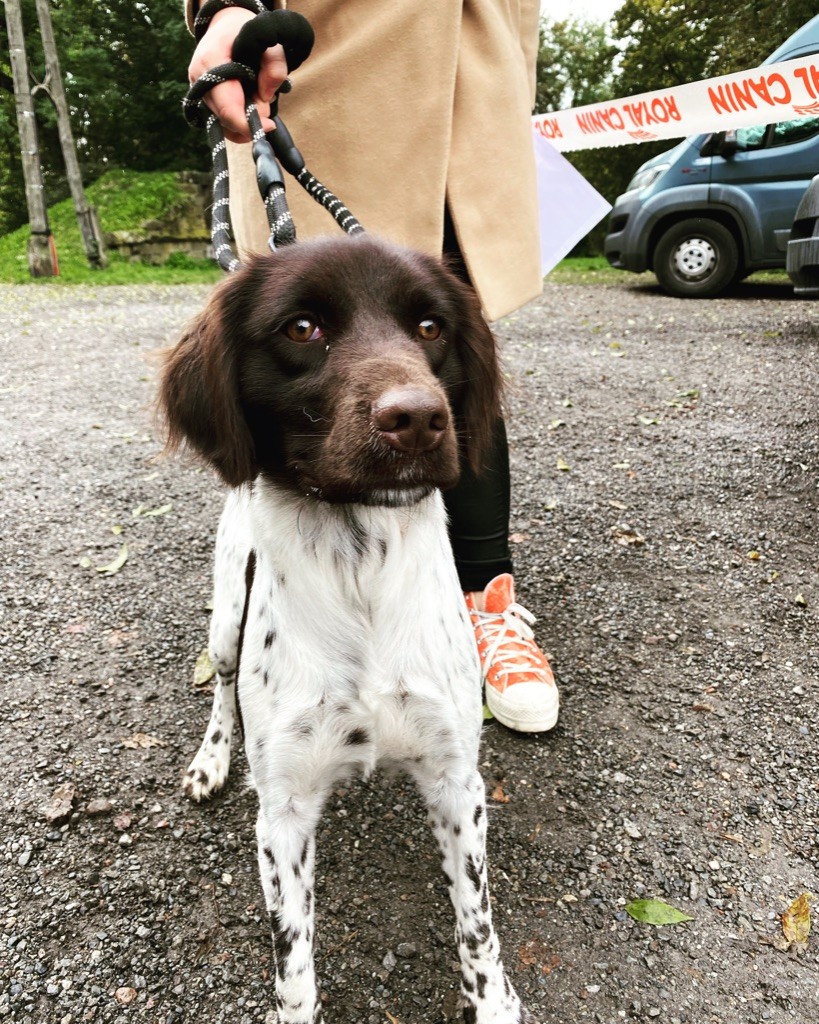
[270, 152]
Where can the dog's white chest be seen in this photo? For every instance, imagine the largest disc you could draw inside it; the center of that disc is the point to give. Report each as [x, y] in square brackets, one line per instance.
[357, 633]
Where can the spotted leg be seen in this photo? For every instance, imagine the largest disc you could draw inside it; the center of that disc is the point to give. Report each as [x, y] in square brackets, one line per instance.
[286, 841]
[457, 810]
[208, 771]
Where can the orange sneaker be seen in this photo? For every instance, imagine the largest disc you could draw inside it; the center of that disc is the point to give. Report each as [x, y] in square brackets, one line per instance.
[520, 686]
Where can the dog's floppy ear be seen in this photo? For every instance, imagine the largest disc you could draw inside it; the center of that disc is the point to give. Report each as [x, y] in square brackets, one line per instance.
[199, 394]
[479, 406]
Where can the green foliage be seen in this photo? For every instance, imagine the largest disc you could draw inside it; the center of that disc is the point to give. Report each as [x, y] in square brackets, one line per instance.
[574, 64]
[124, 69]
[124, 200]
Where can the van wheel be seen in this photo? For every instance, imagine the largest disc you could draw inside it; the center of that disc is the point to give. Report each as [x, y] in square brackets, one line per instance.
[696, 258]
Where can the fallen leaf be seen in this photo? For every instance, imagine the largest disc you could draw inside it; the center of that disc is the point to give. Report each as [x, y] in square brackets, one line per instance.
[487, 714]
[161, 511]
[618, 505]
[203, 670]
[554, 424]
[655, 912]
[800, 600]
[391, 1019]
[562, 466]
[498, 794]
[114, 567]
[627, 536]
[796, 922]
[59, 809]
[649, 421]
[141, 741]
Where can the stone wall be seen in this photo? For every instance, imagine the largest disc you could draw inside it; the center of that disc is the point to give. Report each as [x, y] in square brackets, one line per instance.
[185, 228]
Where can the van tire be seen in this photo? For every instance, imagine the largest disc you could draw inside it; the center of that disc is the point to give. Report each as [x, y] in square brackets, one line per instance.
[696, 258]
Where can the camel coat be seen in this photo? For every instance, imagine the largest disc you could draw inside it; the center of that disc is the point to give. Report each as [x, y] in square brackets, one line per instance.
[403, 108]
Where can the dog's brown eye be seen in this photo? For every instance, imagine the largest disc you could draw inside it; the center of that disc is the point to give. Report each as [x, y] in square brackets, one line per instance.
[429, 329]
[303, 329]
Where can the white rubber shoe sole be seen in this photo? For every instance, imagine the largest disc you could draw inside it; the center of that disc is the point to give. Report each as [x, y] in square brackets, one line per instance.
[525, 707]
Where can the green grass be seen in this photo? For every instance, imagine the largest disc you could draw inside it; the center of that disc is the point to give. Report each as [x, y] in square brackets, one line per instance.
[584, 270]
[596, 270]
[124, 200]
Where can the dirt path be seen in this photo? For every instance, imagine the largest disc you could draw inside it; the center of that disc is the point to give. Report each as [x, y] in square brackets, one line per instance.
[665, 523]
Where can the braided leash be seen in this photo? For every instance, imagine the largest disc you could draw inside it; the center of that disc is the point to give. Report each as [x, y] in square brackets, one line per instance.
[270, 152]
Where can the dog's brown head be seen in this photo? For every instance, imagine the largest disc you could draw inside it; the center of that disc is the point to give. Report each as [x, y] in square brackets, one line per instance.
[345, 368]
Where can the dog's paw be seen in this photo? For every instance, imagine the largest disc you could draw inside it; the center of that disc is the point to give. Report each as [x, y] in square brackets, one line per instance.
[207, 774]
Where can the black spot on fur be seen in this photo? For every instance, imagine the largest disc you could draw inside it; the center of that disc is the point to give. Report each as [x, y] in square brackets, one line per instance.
[456, 829]
[269, 854]
[357, 737]
[304, 851]
[472, 872]
[467, 985]
[447, 879]
[477, 815]
[283, 939]
[216, 736]
[480, 980]
[271, 636]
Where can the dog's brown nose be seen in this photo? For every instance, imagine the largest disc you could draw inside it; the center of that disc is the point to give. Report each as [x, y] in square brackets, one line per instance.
[410, 419]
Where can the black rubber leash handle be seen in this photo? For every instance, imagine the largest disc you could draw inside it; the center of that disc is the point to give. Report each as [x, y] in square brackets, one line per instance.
[288, 28]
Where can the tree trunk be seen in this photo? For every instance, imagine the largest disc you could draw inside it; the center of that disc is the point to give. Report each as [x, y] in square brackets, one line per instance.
[42, 257]
[86, 215]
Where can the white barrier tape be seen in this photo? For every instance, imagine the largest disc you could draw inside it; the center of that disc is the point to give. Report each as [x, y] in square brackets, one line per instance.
[764, 95]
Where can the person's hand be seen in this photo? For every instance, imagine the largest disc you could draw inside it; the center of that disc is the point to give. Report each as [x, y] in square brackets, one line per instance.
[227, 100]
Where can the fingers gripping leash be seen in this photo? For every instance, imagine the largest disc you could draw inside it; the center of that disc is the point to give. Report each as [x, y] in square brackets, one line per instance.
[271, 151]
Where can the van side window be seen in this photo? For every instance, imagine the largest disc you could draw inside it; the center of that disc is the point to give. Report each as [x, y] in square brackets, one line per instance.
[751, 138]
[787, 132]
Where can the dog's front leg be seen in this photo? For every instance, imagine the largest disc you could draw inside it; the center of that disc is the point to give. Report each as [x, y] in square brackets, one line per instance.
[232, 578]
[287, 862]
[457, 808]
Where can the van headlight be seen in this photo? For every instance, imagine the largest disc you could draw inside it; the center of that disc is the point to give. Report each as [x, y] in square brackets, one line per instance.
[643, 178]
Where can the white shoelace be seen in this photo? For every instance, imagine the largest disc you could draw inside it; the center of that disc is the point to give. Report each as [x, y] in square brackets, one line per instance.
[514, 624]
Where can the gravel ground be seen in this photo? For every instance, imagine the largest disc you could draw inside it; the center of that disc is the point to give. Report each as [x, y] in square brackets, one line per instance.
[665, 513]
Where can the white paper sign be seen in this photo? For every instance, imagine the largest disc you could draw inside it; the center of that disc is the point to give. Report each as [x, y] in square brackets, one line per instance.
[569, 206]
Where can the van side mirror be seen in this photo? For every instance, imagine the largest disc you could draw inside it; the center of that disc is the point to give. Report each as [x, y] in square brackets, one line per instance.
[720, 144]
[711, 144]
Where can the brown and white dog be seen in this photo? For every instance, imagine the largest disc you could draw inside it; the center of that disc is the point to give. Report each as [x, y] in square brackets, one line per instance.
[336, 385]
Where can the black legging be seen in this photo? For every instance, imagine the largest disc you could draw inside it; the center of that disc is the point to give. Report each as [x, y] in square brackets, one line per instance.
[478, 506]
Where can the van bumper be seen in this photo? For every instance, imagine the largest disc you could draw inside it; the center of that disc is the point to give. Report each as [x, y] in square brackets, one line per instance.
[621, 246]
[803, 247]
